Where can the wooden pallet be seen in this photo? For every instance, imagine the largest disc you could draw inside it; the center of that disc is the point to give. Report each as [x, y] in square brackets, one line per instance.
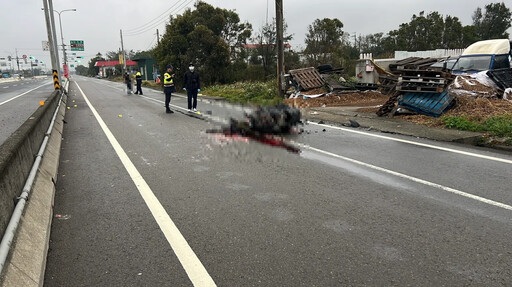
[307, 78]
[420, 89]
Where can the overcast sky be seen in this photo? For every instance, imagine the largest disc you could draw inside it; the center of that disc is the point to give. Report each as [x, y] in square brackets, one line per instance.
[98, 22]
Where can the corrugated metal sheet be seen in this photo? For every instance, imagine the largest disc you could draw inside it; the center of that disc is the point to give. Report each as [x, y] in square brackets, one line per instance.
[431, 104]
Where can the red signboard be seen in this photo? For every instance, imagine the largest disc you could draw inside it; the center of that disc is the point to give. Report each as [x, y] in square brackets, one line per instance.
[66, 71]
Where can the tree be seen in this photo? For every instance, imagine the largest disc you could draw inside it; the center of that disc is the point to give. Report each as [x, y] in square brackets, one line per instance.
[493, 23]
[265, 52]
[324, 41]
[82, 70]
[207, 37]
[453, 36]
[93, 71]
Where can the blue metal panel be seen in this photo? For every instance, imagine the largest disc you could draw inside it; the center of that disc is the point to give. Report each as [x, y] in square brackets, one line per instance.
[431, 104]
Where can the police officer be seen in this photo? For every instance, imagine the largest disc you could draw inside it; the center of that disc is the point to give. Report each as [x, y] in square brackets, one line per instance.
[168, 88]
[138, 78]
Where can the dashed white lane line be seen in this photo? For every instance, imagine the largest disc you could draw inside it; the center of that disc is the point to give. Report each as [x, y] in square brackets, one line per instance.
[193, 267]
[24, 93]
[418, 144]
[414, 179]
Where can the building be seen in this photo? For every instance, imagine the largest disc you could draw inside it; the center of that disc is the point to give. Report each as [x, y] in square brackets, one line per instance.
[111, 65]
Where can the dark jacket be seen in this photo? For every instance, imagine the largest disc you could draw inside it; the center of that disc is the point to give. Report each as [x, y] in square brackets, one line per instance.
[191, 80]
[138, 78]
[127, 79]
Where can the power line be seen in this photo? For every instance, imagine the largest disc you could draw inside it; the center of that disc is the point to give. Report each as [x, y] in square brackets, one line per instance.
[150, 44]
[148, 23]
[153, 26]
[157, 19]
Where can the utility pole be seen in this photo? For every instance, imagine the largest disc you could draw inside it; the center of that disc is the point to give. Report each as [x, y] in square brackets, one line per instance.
[54, 39]
[124, 55]
[50, 29]
[157, 37]
[280, 47]
[17, 60]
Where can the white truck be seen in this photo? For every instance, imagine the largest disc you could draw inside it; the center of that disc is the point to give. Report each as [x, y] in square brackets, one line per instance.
[483, 56]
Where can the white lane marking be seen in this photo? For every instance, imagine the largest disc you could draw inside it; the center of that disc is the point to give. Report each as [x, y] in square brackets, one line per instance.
[415, 179]
[194, 268]
[24, 93]
[418, 144]
[6, 87]
[162, 102]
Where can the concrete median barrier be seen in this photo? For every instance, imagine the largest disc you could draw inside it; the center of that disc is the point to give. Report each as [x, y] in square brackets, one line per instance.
[27, 257]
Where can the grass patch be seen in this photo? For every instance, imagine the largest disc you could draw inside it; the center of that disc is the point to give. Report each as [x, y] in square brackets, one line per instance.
[260, 93]
[497, 125]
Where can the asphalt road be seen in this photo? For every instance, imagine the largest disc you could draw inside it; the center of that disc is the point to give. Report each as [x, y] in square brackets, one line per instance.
[19, 100]
[146, 198]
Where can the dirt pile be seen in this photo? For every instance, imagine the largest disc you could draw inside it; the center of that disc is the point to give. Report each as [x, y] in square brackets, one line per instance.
[367, 98]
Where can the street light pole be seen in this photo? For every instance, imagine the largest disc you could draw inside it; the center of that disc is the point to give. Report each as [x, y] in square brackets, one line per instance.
[62, 36]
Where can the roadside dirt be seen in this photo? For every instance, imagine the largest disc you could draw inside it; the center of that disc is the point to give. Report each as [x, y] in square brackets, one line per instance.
[475, 109]
[368, 98]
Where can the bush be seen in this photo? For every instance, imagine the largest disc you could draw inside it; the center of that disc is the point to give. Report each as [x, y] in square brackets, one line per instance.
[498, 125]
[461, 123]
[260, 93]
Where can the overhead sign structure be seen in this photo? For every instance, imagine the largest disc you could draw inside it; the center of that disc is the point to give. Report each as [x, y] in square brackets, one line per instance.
[76, 45]
[46, 45]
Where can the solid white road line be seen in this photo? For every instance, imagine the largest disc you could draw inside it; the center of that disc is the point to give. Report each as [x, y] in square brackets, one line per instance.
[24, 93]
[415, 179]
[162, 102]
[194, 268]
[417, 143]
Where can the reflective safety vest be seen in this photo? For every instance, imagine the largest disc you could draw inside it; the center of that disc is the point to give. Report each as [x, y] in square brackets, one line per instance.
[168, 80]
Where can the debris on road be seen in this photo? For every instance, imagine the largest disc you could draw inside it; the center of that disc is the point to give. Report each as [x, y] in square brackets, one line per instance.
[264, 125]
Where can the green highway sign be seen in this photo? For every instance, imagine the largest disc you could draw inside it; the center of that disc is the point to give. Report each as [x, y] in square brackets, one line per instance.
[76, 45]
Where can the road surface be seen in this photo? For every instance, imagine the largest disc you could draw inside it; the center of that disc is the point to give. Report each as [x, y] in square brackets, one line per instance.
[19, 100]
[146, 198]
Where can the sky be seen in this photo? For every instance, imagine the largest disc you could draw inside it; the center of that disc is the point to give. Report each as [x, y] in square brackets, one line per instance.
[98, 23]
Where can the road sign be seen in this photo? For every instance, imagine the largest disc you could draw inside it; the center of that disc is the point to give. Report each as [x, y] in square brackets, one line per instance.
[76, 45]
[24, 56]
[46, 45]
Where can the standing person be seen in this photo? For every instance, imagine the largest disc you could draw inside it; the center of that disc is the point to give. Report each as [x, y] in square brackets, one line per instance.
[192, 85]
[128, 83]
[138, 78]
[168, 88]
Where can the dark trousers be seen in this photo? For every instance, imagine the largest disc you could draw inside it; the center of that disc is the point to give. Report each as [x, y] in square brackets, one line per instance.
[139, 88]
[168, 93]
[129, 87]
[192, 98]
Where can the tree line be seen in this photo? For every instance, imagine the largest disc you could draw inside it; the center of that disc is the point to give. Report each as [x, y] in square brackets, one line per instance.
[226, 50]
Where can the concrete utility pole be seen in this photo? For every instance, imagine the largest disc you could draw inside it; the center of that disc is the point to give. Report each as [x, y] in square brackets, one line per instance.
[54, 35]
[157, 37]
[50, 29]
[18, 59]
[124, 55]
[280, 47]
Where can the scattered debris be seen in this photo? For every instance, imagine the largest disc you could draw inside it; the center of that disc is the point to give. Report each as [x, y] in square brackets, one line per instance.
[352, 124]
[367, 98]
[264, 124]
[307, 78]
[430, 104]
[502, 77]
